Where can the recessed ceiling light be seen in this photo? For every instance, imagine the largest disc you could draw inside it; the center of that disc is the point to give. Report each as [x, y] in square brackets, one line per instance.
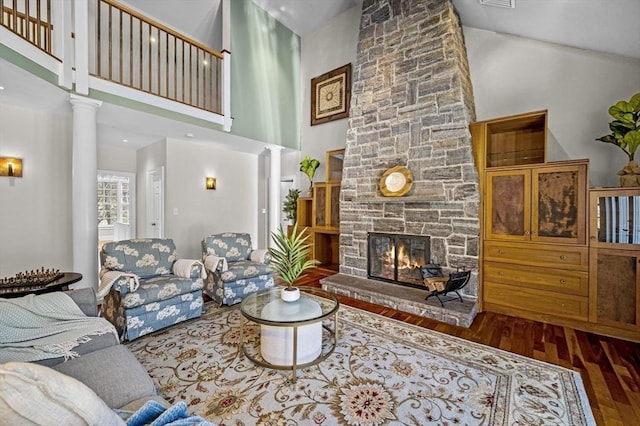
[125, 140]
[189, 135]
[1, 87]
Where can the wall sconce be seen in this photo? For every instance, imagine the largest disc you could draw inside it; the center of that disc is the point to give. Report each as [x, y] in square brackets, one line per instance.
[10, 166]
[210, 183]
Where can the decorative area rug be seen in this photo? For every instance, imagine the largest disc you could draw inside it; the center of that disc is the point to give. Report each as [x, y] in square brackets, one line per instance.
[383, 372]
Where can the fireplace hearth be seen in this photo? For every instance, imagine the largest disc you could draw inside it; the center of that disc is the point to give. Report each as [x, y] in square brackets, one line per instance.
[397, 258]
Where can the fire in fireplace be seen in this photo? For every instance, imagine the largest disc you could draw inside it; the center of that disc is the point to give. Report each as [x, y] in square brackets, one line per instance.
[397, 258]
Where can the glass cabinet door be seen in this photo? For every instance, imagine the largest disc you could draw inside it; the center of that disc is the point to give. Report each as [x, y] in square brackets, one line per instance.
[508, 203]
[615, 220]
[559, 204]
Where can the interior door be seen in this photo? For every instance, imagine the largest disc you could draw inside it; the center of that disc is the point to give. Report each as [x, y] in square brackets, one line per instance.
[155, 203]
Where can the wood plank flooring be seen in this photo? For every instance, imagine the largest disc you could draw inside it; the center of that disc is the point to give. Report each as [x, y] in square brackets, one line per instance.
[610, 368]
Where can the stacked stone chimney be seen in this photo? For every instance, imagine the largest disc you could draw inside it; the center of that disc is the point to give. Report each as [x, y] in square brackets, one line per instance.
[412, 102]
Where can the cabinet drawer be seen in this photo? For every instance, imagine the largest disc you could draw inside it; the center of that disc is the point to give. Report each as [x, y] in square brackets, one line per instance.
[564, 281]
[548, 256]
[539, 302]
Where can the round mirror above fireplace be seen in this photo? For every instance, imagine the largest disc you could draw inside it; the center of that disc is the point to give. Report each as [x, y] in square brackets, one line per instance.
[396, 181]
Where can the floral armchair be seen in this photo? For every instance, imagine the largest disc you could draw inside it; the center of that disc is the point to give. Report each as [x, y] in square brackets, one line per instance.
[234, 269]
[146, 287]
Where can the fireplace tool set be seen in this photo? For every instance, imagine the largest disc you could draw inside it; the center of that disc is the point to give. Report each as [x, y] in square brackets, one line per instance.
[440, 285]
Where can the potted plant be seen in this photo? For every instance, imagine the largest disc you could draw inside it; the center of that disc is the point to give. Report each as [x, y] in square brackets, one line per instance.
[290, 205]
[289, 259]
[625, 134]
[308, 166]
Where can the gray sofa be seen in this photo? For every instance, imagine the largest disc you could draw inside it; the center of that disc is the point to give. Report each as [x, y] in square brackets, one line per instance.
[108, 367]
[104, 365]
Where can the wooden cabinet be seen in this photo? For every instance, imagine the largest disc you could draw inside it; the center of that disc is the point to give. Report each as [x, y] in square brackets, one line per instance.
[614, 251]
[544, 282]
[542, 203]
[321, 214]
[535, 258]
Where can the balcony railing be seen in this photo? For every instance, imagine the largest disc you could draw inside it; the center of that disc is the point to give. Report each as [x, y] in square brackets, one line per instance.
[30, 20]
[134, 51]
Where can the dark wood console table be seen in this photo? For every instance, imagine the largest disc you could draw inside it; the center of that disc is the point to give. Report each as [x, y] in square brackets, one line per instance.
[61, 283]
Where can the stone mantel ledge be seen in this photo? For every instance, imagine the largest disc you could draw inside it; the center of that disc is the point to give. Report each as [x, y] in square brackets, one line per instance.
[407, 200]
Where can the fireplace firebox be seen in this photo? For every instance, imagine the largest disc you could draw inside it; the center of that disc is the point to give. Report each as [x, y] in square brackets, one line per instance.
[397, 258]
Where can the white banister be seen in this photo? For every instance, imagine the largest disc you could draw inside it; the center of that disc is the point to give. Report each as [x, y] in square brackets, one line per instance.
[226, 93]
[81, 25]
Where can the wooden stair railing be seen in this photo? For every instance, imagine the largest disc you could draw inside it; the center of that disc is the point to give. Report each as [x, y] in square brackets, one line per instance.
[137, 52]
[29, 22]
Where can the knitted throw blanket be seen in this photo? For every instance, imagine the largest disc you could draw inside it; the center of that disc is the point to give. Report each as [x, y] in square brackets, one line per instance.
[46, 326]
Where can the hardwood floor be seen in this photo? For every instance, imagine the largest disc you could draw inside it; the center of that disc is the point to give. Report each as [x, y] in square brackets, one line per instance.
[610, 368]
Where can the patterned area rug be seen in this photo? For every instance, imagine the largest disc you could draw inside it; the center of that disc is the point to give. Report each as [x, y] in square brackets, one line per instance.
[383, 372]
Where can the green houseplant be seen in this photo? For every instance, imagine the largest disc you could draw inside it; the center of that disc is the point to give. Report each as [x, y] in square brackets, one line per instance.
[290, 205]
[308, 166]
[289, 259]
[625, 134]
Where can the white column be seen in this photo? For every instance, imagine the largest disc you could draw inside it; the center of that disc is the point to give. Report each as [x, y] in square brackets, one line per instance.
[84, 184]
[275, 174]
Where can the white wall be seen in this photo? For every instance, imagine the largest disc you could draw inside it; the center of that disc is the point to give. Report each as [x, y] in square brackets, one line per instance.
[232, 207]
[148, 158]
[116, 158]
[330, 47]
[511, 75]
[35, 210]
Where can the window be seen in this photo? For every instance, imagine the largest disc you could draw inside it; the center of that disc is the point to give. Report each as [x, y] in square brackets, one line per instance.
[114, 199]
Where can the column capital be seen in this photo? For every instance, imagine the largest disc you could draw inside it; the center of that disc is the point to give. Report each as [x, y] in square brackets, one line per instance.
[275, 148]
[83, 101]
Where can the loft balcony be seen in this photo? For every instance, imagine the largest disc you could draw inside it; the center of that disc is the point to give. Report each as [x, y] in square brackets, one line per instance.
[102, 46]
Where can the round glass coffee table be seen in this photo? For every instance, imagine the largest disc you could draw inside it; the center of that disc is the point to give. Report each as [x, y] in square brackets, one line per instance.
[292, 334]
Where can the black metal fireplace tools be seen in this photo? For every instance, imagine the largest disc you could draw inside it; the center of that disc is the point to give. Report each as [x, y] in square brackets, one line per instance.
[439, 285]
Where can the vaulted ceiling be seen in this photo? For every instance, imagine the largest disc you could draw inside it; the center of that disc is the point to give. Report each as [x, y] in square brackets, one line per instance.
[609, 26]
[602, 25]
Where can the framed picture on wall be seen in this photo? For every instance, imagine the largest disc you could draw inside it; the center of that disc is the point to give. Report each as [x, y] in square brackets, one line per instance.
[331, 95]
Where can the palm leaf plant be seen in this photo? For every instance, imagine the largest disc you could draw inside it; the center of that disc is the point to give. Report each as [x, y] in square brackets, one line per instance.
[289, 257]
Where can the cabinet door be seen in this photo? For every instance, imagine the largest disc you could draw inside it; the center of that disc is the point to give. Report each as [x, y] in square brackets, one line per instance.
[508, 205]
[334, 208]
[614, 289]
[326, 205]
[559, 200]
[320, 205]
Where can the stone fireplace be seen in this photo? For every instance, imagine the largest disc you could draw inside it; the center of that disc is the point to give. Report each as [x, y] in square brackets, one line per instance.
[411, 105]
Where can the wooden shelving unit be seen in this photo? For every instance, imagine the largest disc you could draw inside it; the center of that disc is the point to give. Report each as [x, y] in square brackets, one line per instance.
[552, 250]
[320, 214]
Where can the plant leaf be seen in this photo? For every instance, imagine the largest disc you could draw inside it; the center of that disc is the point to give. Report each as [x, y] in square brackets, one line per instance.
[632, 141]
[634, 103]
